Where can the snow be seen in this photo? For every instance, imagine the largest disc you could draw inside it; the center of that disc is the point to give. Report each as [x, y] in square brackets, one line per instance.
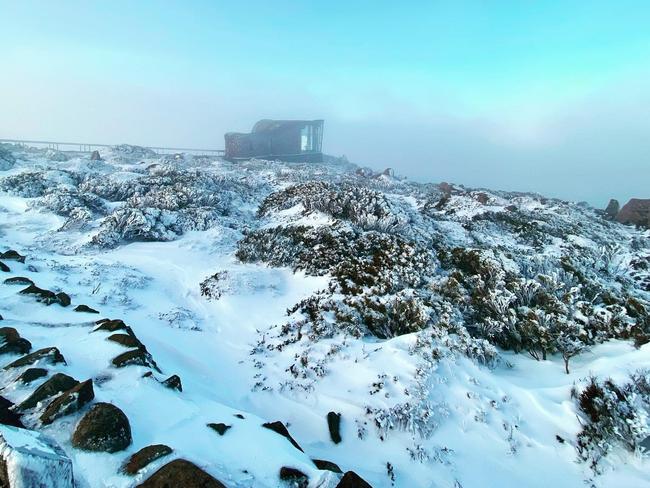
[490, 425]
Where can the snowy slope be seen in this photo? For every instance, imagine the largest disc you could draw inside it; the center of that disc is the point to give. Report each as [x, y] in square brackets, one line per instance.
[266, 286]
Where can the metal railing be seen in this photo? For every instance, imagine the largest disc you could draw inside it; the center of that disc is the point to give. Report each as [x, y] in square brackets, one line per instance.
[80, 147]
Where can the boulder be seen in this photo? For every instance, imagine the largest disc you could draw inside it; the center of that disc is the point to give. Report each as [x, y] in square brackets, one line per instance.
[7, 415]
[12, 255]
[612, 209]
[48, 355]
[95, 156]
[352, 480]
[4, 267]
[135, 357]
[144, 457]
[126, 340]
[31, 374]
[57, 383]
[18, 280]
[334, 425]
[64, 299]
[85, 309]
[297, 478]
[46, 296]
[173, 382]
[180, 472]
[635, 212]
[279, 428]
[29, 459]
[327, 465]
[12, 343]
[220, 428]
[104, 428]
[69, 402]
[112, 326]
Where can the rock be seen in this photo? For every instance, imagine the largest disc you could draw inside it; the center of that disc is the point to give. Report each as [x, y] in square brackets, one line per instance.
[135, 357]
[239, 416]
[57, 383]
[85, 308]
[64, 299]
[327, 465]
[18, 280]
[31, 374]
[49, 355]
[635, 212]
[173, 382]
[482, 198]
[46, 296]
[112, 326]
[12, 343]
[69, 402]
[103, 428]
[144, 457]
[126, 340]
[95, 156]
[12, 255]
[29, 459]
[352, 480]
[297, 478]
[220, 428]
[279, 428]
[612, 209]
[181, 473]
[7, 415]
[4, 267]
[334, 425]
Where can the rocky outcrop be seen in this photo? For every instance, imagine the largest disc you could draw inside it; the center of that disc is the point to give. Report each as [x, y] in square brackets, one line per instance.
[85, 309]
[29, 459]
[47, 355]
[104, 428]
[7, 415]
[294, 476]
[279, 428]
[612, 209]
[324, 465]
[12, 255]
[144, 457]
[353, 480]
[46, 296]
[18, 280]
[220, 428]
[173, 383]
[58, 383]
[635, 212]
[334, 425]
[12, 343]
[31, 374]
[69, 402]
[180, 472]
[135, 357]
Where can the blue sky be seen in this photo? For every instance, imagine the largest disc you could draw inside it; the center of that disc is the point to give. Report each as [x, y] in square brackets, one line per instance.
[540, 95]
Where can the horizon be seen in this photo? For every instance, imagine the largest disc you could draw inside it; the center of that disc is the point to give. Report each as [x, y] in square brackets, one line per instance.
[543, 98]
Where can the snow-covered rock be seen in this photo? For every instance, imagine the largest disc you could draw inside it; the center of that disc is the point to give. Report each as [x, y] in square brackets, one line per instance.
[30, 459]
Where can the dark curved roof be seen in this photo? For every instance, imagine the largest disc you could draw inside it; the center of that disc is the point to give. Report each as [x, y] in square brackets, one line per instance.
[269, 125]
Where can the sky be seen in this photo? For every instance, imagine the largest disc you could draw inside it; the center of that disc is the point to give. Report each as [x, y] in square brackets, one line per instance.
[529, 95]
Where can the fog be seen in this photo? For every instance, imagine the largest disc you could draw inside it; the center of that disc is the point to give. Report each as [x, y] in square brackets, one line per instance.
[593, 150]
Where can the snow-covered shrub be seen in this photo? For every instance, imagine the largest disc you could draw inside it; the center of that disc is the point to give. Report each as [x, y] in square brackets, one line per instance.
[613, 415]
[212, 286]
[7, 159]
[366, 208]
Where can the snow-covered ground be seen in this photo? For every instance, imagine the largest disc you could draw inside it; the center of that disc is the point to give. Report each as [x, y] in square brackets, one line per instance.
[135, 235]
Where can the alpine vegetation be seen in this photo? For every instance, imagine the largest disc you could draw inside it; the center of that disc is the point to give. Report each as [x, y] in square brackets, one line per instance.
[270, 324]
